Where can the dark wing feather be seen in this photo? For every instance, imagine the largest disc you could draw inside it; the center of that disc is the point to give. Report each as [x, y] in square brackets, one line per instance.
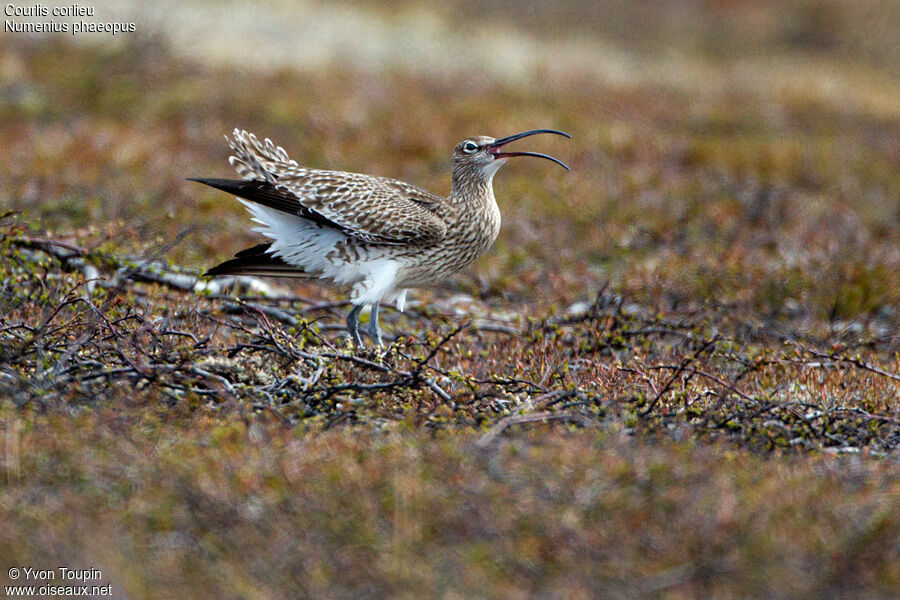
[269, 195]
[256, 261]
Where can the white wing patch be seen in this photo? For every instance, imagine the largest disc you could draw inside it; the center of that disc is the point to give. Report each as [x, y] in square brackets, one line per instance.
[295, 240]
[309, 246]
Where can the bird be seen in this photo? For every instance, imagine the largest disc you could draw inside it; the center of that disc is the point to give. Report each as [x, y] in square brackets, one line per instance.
[378, 235]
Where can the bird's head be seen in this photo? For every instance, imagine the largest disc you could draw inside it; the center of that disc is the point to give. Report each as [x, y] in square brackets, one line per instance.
[483, 155]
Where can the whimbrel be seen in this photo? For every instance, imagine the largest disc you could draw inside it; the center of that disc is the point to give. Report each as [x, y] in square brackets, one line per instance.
[379, 235]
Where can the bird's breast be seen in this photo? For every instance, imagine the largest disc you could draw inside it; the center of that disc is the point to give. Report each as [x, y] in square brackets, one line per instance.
[469, 236]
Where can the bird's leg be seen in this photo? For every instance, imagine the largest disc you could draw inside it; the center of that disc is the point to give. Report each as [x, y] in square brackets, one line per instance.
[353, 325]
[374, 329]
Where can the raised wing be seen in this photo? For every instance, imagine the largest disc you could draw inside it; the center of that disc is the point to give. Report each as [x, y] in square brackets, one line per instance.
[372, 209]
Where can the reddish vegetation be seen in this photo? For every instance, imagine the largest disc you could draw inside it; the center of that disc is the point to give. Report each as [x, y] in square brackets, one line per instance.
[675, 375]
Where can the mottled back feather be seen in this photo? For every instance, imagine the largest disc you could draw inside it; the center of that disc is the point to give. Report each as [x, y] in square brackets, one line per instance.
[371, 209]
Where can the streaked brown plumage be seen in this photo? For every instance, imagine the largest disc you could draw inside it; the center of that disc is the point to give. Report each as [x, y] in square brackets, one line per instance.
[379, 235]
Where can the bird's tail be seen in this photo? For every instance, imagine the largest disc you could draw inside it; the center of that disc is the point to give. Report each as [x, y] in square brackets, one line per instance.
[259, 261]
[255, 160]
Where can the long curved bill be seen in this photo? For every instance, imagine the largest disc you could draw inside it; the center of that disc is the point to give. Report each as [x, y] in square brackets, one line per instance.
[495, 147]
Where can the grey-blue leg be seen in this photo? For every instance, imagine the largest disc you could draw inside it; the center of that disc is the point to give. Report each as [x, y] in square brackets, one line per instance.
[374, 329]
[353, 325]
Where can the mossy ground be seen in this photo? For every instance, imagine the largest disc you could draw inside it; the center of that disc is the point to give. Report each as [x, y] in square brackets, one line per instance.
[697, 327]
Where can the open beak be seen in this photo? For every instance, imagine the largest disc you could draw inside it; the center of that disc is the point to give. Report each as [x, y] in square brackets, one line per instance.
[495, 147]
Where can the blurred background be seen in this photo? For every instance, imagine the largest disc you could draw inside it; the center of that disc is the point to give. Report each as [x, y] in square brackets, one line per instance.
[734, 193]
[717, 143]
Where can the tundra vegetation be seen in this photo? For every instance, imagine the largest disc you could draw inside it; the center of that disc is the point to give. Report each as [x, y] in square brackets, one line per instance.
[675, 375]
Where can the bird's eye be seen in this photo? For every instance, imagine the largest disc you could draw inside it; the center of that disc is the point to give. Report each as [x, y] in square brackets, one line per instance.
[469, 147]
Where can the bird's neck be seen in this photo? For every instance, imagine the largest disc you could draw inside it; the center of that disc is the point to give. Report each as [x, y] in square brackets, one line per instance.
[471, 185]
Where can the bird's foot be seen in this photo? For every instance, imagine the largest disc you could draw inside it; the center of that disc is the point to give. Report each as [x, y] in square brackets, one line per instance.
[357, 340]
